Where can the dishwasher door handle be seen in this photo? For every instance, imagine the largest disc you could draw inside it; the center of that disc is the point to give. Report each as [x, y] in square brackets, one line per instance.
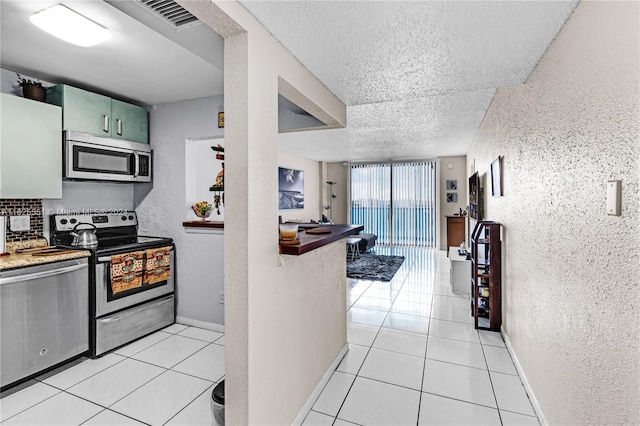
[42, 274]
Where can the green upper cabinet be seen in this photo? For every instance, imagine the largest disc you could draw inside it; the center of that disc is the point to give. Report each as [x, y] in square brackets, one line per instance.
[130, 122]
[30, 149]
[88, 112]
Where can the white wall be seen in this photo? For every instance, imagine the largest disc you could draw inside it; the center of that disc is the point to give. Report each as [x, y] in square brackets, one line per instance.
[285, 323]
[338, 173]
[459, 172]
[570, 279]
[163, 206]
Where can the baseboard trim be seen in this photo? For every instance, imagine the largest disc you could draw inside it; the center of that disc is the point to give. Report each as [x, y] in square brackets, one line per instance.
[320, 386]
[523, 378]
[201, 324]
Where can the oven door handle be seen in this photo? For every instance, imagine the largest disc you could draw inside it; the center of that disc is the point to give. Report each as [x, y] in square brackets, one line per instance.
[107, 259]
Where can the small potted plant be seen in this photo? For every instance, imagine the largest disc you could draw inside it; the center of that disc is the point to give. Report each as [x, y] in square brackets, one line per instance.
[32, 89]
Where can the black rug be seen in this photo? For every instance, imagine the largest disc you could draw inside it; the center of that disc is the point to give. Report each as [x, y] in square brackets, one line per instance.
[374, 267]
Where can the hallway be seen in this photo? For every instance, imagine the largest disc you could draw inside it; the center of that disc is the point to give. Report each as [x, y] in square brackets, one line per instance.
[415, 358]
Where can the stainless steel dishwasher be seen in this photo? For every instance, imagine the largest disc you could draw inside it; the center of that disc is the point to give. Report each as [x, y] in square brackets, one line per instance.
[44, 317]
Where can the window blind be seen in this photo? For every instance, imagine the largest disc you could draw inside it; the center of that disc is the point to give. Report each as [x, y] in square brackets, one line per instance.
[395, 201]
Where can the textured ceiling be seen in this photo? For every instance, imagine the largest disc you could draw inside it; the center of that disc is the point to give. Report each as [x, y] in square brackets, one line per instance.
[417, 77]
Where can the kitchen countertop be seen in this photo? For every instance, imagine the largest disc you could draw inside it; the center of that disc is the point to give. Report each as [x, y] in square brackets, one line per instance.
[20, 260]
[310, 242]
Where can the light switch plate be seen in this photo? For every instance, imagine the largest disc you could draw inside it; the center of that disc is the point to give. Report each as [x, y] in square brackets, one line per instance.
[19, 223]
[613, 197]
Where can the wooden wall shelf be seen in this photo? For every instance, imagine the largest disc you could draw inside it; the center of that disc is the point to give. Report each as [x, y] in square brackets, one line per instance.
[203, 224]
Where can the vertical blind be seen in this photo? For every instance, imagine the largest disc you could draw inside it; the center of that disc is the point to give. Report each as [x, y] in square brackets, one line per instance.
[395, 201]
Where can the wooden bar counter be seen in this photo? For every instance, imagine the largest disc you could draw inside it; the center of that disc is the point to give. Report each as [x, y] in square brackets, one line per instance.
[310, 242]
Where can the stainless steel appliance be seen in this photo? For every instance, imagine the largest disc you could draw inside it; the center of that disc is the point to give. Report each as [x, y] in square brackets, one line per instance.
[44, 317]
[119, 317]
[91, 157]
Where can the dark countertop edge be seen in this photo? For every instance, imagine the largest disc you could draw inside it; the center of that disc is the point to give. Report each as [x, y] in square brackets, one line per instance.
[311, 242]
[203, 224]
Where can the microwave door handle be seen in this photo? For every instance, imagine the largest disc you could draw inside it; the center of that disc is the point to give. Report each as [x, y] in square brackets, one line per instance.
[136, 164]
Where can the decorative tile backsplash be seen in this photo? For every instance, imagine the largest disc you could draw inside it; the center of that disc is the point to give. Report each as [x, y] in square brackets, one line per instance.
[31, 207]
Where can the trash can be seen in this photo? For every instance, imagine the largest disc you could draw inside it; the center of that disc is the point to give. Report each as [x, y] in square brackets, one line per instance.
[217, 404]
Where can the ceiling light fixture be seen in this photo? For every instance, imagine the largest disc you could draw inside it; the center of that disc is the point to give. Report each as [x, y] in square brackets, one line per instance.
[64, 23]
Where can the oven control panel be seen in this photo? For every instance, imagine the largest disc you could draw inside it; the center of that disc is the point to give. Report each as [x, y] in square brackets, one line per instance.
[97, 218]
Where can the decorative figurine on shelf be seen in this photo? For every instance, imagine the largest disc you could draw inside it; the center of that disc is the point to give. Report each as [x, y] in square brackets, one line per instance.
[218, 149]
[218, 188]
[219, 184]
[216, 203]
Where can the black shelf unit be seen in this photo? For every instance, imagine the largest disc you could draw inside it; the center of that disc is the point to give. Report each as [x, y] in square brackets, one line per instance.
[486, 280]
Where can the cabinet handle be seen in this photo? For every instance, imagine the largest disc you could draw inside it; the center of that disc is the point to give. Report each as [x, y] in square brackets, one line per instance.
[105, 126]
[119, 122]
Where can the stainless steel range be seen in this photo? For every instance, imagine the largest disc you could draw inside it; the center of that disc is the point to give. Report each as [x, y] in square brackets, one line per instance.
[132, 277]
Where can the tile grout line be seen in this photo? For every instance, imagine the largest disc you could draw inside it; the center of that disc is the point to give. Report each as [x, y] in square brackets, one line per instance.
[493, 390]
[191, 402]
[426, 348]
[367, 354]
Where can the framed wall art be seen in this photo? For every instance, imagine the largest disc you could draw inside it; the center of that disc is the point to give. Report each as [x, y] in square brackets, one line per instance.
[290, 189]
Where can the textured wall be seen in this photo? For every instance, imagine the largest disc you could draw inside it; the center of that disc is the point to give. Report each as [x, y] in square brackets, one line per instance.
[458, 172]
[338, 173]
[162, 207]
[571, 295]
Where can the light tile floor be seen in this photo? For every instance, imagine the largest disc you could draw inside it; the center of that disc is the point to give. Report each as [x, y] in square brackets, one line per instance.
[414, 359]
[165, 378]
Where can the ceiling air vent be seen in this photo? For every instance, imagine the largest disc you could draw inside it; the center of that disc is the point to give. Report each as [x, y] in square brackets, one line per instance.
[177, 15]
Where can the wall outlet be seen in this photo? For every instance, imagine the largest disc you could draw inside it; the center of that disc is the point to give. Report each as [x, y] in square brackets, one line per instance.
[19, 223]
[222, 297]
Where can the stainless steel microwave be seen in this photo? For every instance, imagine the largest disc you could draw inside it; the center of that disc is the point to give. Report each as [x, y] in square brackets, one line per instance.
[91, 157]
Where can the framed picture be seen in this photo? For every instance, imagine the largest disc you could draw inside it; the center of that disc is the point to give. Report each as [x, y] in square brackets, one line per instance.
[452, 185]
[496, 177]
[290, 189]
[475, 197]
[452, 197]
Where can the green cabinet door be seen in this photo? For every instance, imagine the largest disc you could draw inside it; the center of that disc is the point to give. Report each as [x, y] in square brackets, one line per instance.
[30, 149]
[129, 122]
[83, 111]
[88, 112]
